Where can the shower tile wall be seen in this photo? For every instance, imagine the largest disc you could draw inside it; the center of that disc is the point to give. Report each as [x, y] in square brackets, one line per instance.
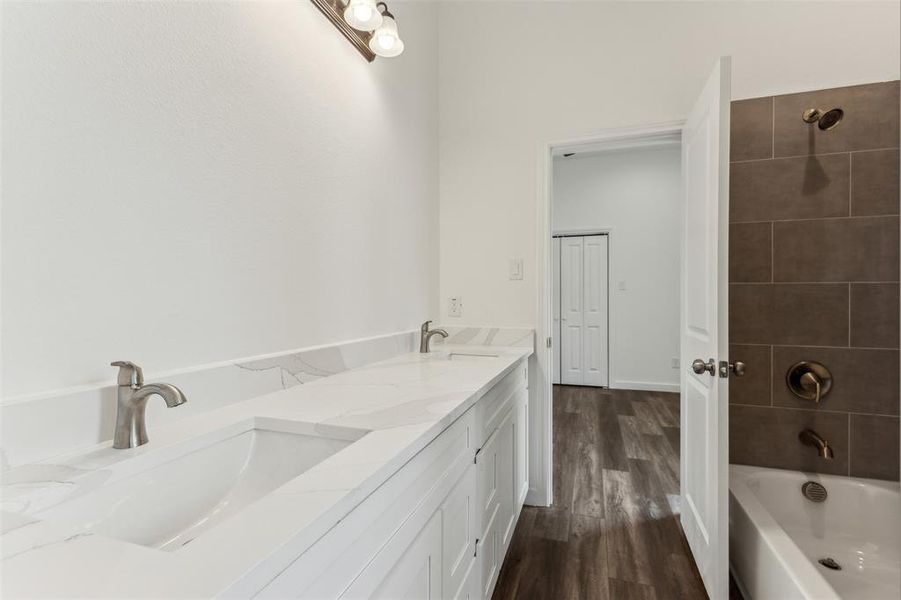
[813, 272]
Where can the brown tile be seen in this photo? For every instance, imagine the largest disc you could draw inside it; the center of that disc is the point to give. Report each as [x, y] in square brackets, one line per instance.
[768, 437]
[874, 183]
[751, 129]
[870, 122]
[874, 315]
[789, 188]
[754, 386]
[874, 447]
[863, 380]
[855, 249]
[813, 314]
[750, 252]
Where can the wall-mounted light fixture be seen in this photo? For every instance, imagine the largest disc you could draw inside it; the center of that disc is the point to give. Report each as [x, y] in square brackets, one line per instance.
[368, 25]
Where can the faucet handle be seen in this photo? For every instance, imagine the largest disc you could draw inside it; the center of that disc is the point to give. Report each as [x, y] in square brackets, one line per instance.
[130, 374]
[425, 326]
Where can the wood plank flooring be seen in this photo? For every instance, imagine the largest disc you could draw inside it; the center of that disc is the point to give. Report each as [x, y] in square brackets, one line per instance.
[613, 531]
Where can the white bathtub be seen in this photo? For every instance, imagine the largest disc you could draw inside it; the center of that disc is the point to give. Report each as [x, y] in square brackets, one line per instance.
[777, 536]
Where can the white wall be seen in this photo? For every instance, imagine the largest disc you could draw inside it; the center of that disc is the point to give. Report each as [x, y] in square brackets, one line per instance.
[186, 183]
[636, 195]
[520, 74]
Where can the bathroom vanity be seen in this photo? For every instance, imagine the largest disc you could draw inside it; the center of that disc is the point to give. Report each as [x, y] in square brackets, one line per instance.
[404, 478]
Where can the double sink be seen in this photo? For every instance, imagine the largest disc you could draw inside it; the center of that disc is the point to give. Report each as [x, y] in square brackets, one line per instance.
[164, 499]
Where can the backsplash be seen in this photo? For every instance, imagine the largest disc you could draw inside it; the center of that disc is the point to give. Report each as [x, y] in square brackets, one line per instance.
[38, 428]
[813, 272]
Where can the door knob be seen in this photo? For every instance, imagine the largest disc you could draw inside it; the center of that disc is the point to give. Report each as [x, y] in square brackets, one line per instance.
[699, 366]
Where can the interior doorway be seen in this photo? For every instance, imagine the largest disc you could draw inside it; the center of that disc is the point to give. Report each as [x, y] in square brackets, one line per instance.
[701, 304]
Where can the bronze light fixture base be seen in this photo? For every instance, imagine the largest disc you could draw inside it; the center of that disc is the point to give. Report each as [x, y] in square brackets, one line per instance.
[334, 9]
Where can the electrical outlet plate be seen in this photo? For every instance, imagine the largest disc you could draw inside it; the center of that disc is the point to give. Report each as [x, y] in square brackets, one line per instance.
[455, 306]
[675, 363]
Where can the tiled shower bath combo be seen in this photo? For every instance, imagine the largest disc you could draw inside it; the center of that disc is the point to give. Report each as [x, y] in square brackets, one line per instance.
[813, 292]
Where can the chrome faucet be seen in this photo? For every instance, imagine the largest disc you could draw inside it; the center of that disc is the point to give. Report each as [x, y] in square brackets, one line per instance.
[425, 336]
[132, 400]
[809, 437]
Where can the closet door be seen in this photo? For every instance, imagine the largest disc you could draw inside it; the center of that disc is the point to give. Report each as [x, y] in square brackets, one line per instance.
[594, 313]
[571, 298]
[555, 269]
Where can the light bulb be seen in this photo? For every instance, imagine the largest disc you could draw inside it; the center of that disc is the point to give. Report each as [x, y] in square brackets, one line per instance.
[385, 41]
[362, 15]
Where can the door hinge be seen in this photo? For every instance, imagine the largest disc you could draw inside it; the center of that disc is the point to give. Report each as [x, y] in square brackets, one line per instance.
[475, 457]
[550, 342]
[475, 552]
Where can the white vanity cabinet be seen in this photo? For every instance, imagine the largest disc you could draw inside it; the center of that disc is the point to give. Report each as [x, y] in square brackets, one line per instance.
[441, 525]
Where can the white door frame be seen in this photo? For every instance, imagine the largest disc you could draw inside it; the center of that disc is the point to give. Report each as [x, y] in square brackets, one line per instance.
[541, 470]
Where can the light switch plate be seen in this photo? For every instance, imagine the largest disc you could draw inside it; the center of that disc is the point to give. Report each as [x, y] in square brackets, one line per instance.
[675, 363]
[515, 269]
[455, 306]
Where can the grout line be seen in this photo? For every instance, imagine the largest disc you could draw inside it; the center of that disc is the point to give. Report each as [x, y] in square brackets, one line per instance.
[751, 160]
[772, 360]
[805, 282]
[817, 410]
[835, 218]
[815, 346]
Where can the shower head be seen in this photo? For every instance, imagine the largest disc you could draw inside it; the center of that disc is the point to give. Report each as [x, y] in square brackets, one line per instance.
[825, 119]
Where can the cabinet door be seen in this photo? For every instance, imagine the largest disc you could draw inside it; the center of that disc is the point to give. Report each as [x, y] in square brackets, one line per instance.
[521, 427]
[489, 557]
[506, 478]
[495, 461]
[460, 531]
[416, 575]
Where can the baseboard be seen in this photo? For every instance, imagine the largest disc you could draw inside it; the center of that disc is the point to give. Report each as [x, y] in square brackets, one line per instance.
[645, 386]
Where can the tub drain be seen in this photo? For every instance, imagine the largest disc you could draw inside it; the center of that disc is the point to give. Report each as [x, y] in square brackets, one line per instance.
[814, 492]
[830, 563]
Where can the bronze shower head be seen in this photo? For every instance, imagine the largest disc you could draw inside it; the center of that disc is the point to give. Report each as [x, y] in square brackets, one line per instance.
[825, 119]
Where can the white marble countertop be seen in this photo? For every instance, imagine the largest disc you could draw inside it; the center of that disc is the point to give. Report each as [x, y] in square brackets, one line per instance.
[404, 403]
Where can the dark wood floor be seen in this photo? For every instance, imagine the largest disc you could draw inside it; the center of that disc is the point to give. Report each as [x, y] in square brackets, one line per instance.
[613, 531]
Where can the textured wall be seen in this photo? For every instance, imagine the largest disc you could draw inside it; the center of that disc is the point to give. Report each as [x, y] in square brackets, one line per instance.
[813, 271]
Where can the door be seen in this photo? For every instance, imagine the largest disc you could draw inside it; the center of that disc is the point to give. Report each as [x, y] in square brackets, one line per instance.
[594, 315]
[704, 331]
[555, 269]
[583, 310]
[571, 310]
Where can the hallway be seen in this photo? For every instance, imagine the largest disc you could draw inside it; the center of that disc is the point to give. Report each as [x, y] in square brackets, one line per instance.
[613, 531]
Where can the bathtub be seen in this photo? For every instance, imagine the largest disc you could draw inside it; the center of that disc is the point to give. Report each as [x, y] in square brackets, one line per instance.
[777, 536]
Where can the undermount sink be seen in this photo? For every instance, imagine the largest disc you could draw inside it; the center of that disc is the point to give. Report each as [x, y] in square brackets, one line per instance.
[168, 505]
[469, 356]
